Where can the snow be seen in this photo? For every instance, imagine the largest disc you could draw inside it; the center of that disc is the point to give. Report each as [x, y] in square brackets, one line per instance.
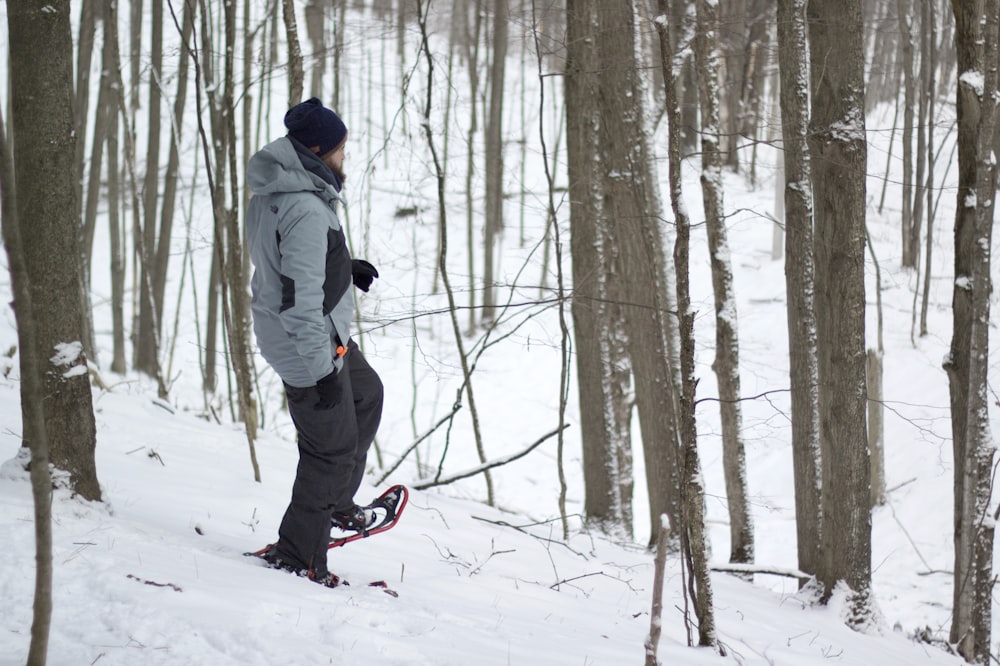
[973, 79]
[155, 574]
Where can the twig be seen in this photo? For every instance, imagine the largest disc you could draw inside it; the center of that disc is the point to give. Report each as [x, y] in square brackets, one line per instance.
[734, 567]
[454, 410]
[495, 552]
[173, 587]
[424, 484]
[546, 540]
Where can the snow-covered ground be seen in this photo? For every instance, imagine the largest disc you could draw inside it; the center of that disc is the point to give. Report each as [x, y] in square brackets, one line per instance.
[155, 574]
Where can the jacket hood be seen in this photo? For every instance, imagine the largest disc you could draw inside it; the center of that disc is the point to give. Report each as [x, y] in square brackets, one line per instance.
[277, 168]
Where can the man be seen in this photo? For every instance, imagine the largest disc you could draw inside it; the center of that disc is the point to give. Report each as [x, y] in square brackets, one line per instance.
[302, 311]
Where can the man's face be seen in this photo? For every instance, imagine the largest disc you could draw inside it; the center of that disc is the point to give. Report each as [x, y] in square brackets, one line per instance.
[335, 160]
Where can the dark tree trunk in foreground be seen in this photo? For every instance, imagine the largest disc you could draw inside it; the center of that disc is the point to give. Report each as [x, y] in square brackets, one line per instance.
[839, 159]
[48, 214]
[976, 42]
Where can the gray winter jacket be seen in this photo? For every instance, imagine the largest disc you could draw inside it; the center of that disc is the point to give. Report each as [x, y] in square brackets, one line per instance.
[302, 304]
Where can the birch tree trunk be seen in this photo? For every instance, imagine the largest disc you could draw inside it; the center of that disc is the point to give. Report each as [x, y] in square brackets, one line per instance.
[727, 350]
[295, 74]
[838, 153]
[799, 279]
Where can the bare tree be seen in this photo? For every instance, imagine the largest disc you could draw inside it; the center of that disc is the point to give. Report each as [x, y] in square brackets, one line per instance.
[727, 349]
[975, 510]
[799, 279]
[494, 158]
[929, 55]
[147, 344]
[112, 64]
[295, 74]
[630, 209]
[694, 545]
[603, 370]
[41, 101]
[40, 202]
[909, 96]
[32, 397]
[443, 250]
[838, 154]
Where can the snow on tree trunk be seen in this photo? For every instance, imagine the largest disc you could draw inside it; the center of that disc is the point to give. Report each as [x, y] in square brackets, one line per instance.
[967, 362]
[638, 263]
[838, 153]
[799, 279]
[692, 536]
[603, 370]
[727, 349]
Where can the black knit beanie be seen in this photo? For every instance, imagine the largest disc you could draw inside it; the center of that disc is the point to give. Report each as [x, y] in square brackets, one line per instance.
[315, 125]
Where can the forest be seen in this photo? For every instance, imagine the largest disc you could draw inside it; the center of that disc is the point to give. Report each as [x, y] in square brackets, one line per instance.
[540, 183]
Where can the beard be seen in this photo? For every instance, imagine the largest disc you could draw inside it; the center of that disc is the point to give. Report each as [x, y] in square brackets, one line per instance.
[339, 173]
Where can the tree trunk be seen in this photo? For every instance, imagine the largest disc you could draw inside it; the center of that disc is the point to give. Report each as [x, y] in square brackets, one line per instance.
[316, 34]
[976, 44]
[638, 263]
[694, 545]
[929, 53]
[295, 74]
[727, 351]
[43, 143]
[799, 280]
[32, 399]
[117, 242]
[838, 156]
[494, 159]
[163, 246]
[909, 95]
[147, 348]
[603, 370]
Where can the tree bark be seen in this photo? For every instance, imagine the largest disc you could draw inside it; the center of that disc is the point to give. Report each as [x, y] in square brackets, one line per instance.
[295, 74]
[43, 137]
[638, 262]
[799, 280]
[494, 159]
[909, 95]
[838, 153]
[603, 370]
[976, 44]
[32, 398]
[727, 350]
[694, 545]
[147, 347]
[112, 64]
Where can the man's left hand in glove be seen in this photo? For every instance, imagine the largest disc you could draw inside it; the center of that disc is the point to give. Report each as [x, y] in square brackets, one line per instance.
[363, 274]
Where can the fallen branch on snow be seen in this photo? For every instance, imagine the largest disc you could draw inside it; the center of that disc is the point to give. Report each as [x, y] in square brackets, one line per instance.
[732, 567]
[424, 484]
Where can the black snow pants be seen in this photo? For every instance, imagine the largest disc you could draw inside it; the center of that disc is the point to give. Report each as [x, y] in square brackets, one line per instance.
[333, 446]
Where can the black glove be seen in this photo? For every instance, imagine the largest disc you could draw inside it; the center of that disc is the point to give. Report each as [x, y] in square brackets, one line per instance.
[363, 274]
[329, 391]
